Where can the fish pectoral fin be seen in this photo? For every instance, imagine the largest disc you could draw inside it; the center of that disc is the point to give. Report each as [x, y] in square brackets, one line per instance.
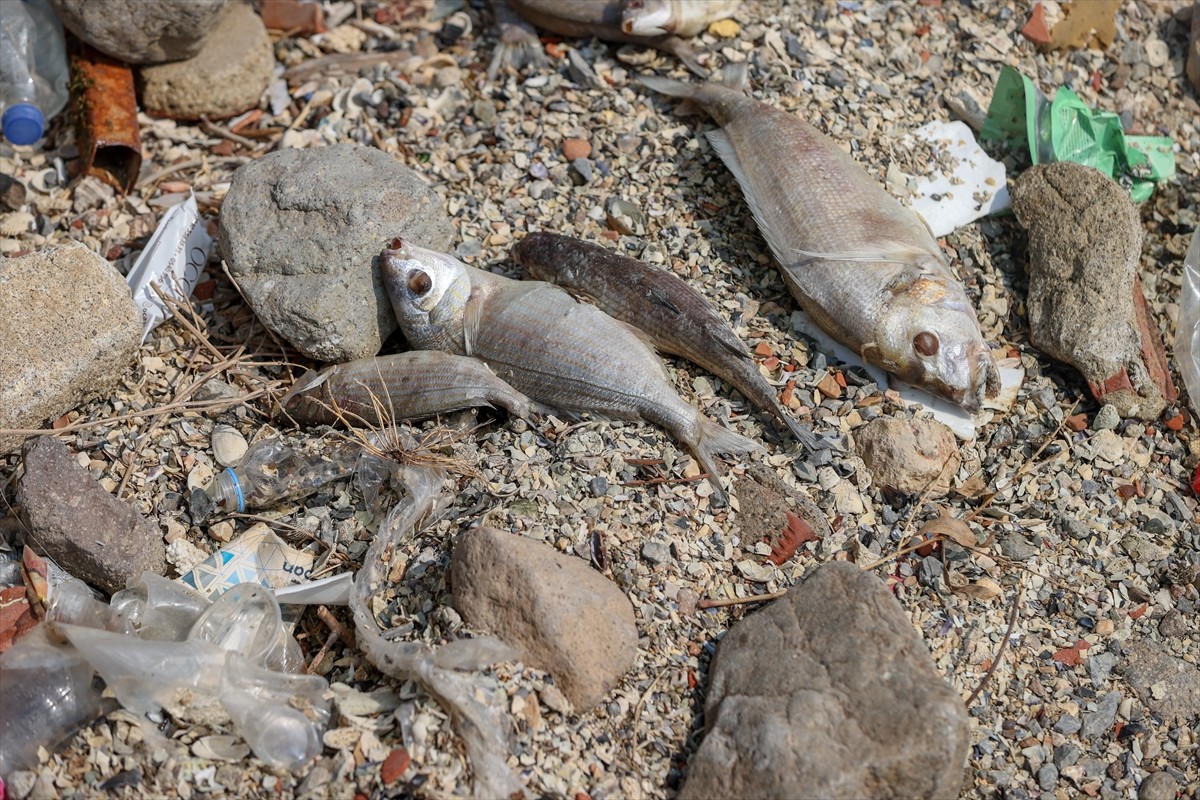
[880, 253]
[471, 316]
[723, 145]
[726, 338]
[660, 297]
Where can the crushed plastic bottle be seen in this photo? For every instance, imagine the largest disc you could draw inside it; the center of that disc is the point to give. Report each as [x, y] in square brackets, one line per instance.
[156, 643]
[273, 471]
[33, 69]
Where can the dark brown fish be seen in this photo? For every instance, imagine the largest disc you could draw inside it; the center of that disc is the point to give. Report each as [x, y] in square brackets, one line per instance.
[676, 317]
[413, 385]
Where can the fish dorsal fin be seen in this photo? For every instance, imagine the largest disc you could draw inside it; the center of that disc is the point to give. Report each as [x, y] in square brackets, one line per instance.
[659, 297]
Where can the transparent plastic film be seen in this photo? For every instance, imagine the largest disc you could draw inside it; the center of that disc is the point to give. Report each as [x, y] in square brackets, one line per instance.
[444, 672]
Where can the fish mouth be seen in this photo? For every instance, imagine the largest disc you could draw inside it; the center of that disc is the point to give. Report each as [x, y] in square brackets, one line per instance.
[983, 379]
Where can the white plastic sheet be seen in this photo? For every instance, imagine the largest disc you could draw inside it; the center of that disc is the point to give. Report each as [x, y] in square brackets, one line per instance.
[1187, 335]
[172, 260]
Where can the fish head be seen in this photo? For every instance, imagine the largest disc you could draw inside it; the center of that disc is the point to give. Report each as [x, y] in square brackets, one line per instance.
[648, 18]
[429, 292]
[928, 336]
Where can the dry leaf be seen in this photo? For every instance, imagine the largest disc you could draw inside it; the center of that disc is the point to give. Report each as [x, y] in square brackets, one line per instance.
[982, 589]
[950, 528]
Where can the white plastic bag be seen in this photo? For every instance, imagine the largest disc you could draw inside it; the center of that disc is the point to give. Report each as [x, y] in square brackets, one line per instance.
[1187, 335]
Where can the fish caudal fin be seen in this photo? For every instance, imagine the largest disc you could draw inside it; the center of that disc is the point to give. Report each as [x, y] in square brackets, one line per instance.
[669, 86]
[715, 439]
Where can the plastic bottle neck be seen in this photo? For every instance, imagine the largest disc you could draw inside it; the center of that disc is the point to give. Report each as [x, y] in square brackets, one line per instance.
[227, 491]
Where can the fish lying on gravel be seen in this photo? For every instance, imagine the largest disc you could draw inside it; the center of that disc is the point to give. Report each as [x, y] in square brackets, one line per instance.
[862, 265]
[409, 385]
[565, 354]
[676, 318]
[650, 23]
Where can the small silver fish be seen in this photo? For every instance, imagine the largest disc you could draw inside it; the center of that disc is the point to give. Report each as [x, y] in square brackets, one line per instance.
[611, 20]
[863, 266]
[678, 17]
[676, 317]
[412, 385]
[565, 354]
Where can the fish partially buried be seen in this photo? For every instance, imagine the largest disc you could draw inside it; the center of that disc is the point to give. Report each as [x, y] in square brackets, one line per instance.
[863, 266]
[559, 352]
[412, 385]
[651, 23]
[676, 317]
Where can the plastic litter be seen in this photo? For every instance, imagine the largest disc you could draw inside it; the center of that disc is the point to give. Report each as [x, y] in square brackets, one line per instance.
[160, 645]
[33, 69]
[1187, 335]
[445, 671]
[1065, 129]
[257, 556]
[977, 187]
[273, 471]
[172, 261]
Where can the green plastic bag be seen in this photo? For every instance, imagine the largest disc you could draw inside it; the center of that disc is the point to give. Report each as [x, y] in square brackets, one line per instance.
[1065, 129]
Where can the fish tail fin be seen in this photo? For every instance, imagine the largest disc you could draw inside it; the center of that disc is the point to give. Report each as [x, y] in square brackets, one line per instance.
[801, 433]
[714, 439]
[736, 76]
[669, 86]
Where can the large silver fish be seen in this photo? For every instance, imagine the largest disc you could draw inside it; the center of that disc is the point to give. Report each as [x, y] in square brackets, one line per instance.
[412, 385]
[650, 23]
[676, 317]
[862, 265]
[559, 352]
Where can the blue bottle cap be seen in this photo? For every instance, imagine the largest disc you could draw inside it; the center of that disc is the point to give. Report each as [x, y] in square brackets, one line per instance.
[23, 123]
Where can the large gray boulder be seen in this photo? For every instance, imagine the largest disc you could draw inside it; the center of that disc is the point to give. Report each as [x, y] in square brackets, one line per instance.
[302, 231]
[227, 76]
[68, 330]
[141, 31]
[1086, 306]
[72, 519]
[829, 692]
[560, 614]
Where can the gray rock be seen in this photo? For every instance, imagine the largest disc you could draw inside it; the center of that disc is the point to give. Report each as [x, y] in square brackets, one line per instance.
[656, 552]
[829, 692]
[141, 31]
[1100, 721]
[227, 76]
[909, 456]
[1017, 547]
[1158, 786]
[302, 231]
[90, 533]
[1107, 418]
[1166, 684]
[1172, 624]
[1067, 724]
[1100, 666]
[1085, 304]
[1066, 754]
[1047, 777]
[559, 613]
[12, 193]
[68, 331]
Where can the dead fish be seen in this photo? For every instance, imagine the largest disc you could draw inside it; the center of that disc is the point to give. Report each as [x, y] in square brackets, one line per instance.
[862, 265]
[565, 354]
[676, 318]
[413, 385]
[604, 19]
[678, 17]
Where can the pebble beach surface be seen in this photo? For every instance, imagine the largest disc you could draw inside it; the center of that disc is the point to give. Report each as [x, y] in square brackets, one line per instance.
[1085, 531]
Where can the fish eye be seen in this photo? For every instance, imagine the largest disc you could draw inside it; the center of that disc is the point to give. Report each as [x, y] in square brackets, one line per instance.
[926, 343]
[419, 283]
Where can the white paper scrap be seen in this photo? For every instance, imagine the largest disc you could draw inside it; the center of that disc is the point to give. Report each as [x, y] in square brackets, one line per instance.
[172, 260]
[976, 188]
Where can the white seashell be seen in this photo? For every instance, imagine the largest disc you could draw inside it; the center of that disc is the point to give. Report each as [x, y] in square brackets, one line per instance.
[228, 445]
[16, 223]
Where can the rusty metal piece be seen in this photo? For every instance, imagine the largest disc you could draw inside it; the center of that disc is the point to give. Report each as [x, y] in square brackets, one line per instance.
[105, 103]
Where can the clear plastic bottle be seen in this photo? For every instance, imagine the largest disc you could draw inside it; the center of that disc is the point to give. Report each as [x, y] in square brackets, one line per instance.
[273, 471]
[33, 69]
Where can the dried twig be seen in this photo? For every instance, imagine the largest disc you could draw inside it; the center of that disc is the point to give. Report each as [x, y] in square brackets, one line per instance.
[1012, 623]
[737, 601]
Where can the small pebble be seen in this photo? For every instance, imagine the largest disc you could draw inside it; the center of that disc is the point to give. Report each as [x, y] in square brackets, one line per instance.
[1107, 418]
[228, 445]
[1158, 54]
[576, 148]
[724, 29]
